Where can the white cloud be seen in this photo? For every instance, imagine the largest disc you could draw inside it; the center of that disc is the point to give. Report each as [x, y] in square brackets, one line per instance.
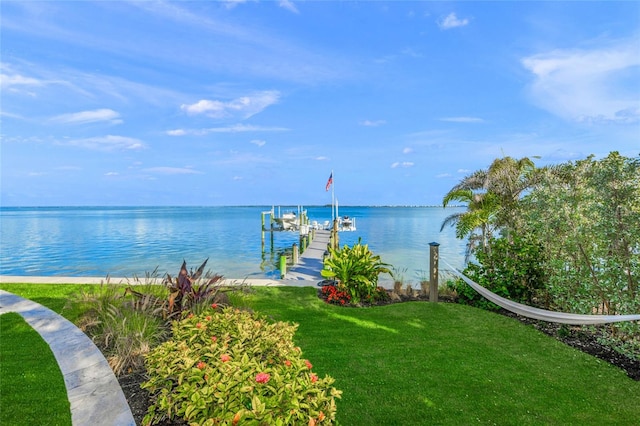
[243, 107]
[63, 82]
[11, 115]
[7, 81]
[230, 4]
[111, 174]
[404, 164]
[407, 150]
[237, 178]
[109, 143]
[372, 123]
[443, 175]
[176, 132]
[288, 4]
[452, 21]
[172, 171]
[259, 142]
[235, 128]
[322, 158]
[463, 171]
[462, 119]
[596, 85]
[92, 116]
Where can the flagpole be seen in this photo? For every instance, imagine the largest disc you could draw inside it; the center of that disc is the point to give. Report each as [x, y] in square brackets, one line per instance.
[333, 197]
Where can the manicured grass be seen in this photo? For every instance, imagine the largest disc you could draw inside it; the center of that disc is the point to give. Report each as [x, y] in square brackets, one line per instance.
[420, 363]
[53, 296]
[32, 390]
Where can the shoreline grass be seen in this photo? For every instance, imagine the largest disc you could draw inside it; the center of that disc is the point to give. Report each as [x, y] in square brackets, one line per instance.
[421, 363]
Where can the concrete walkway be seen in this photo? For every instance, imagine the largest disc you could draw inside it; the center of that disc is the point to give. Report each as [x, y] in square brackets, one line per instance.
[94, 393]
[310, 262]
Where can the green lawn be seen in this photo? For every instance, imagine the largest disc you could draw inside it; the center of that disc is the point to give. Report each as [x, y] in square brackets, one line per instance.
[32, 390]
[53, 296]
[419, 363]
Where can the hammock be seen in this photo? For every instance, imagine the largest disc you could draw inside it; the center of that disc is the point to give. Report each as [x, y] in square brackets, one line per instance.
[542, 314]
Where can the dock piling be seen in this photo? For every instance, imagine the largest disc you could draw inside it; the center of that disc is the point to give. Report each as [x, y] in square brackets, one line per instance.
[283, 266]
[295, 253]
[433, 267]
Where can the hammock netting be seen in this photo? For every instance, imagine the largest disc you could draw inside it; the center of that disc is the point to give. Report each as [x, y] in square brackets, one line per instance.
[541, 314]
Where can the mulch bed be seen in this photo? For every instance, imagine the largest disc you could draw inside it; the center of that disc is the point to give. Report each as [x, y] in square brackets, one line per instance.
[575, 337]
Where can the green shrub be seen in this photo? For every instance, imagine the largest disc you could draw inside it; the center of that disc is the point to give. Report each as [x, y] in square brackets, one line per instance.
[230, 367]
[357, 271]
[512, 268]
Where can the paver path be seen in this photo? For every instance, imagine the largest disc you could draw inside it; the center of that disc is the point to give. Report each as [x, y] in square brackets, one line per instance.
[93, 390]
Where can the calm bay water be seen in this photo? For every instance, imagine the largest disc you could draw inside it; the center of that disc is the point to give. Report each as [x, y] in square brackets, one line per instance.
[127, 241]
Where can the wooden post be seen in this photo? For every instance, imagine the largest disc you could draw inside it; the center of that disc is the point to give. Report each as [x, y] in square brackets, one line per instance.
[295, 253]
[433, 265]
[336, 242]
[262, 220]
[283, 266]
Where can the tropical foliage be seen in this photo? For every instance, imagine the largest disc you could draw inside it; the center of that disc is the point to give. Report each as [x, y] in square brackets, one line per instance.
[356, 270]
[490, 196]
[128, 321]
[587, 216]
[565, 237]
[190, 290]
[232, 367]
[511, 269]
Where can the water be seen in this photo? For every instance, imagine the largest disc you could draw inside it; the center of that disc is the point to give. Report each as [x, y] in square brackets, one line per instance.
[127, 241]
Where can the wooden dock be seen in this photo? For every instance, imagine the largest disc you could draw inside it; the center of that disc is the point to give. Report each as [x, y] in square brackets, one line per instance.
[310, 262]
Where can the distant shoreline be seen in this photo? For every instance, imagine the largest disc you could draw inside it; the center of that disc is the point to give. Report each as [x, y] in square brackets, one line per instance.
[221, 206]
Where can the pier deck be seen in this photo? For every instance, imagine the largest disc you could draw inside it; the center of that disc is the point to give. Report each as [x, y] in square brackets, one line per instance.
[310, 262]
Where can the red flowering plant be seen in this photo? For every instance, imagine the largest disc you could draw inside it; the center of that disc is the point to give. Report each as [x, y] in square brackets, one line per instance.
[251, 373]
[331, 294]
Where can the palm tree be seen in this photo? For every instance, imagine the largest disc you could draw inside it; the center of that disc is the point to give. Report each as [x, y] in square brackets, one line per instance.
[509, 178]
[480, 215]
[491, 197]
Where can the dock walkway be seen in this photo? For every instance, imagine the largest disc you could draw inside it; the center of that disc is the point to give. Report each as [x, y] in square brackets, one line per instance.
[310, 262]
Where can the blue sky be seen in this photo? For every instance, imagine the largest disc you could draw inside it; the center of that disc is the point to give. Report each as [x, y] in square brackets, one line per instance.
[255, 102]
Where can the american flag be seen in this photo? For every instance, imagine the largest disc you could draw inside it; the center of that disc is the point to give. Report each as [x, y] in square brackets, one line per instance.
[329, 182]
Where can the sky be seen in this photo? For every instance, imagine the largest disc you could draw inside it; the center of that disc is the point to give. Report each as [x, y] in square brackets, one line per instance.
[126, 103]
